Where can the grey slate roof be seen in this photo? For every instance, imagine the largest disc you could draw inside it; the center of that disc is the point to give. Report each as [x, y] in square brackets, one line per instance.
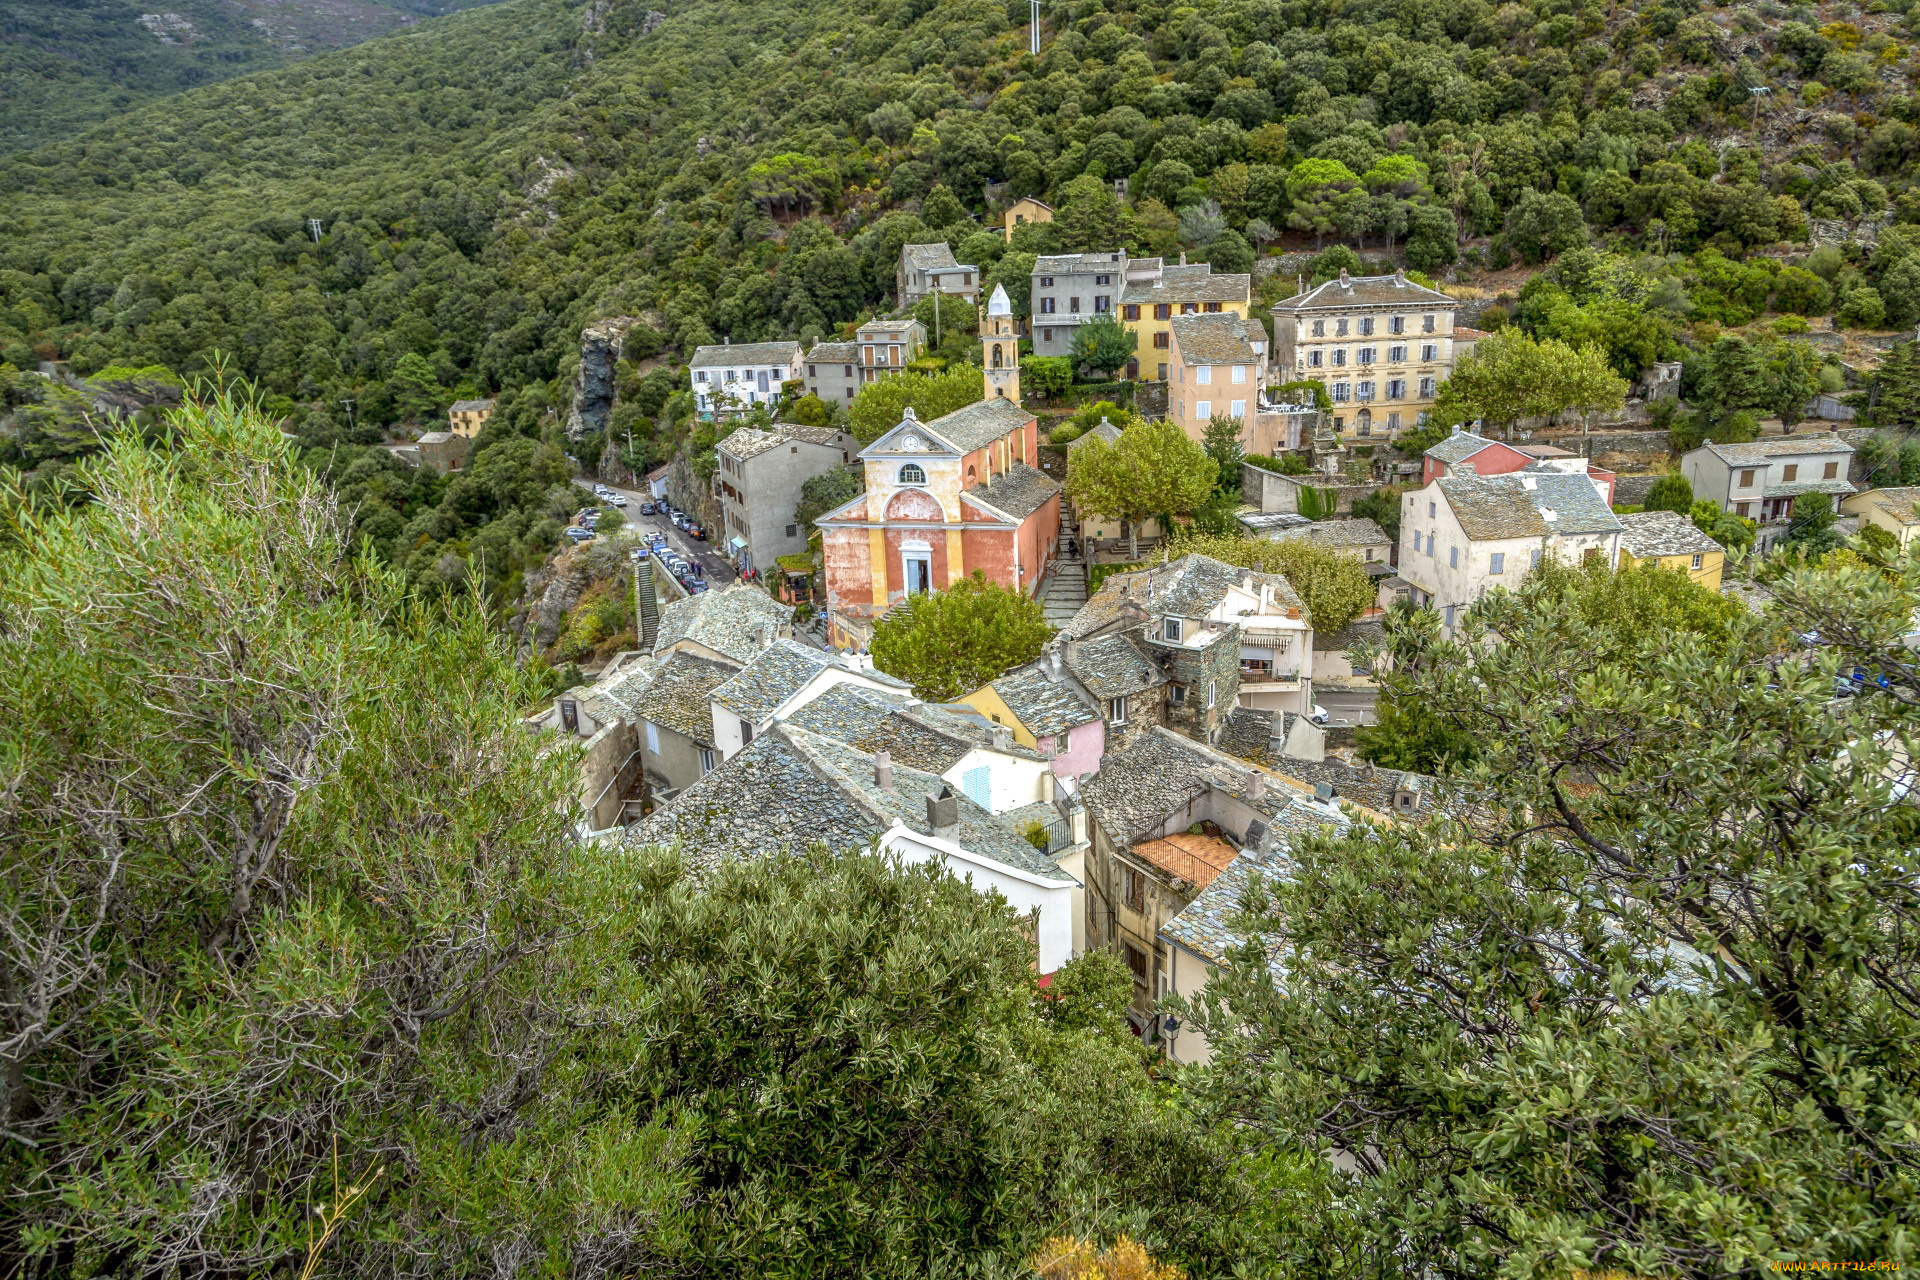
[676, 696]
[1803, 486]
[1045, 706]
[930, 257]
[1187, 588]
[1205, 926]
[1646, 535]
[1102, 429]
[1458, 447]
[1246, 732]
[918, 735]
[1365, 291]
[751, 442]
[737, 621]
[1757, 452]
[1113, 667]
[879, 327]
[792, 788]
[1068, 263]
[1490, 508]
[1019, 491]
[979, 424]
[472, 406]
[1222, 338]
[1356, 532]
[435, 437]
[739, 354]
[1195, 283]
[1161, 772]
[776, 674]
[835, 353]
[1897, 502]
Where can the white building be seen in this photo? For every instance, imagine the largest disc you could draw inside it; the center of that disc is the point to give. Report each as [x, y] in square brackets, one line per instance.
[729, 379]
[1760, 480]
[1464, 534]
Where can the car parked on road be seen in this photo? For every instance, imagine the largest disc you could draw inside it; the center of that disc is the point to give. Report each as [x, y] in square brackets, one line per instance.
[577, 533]
[617, 500]
[646, 508]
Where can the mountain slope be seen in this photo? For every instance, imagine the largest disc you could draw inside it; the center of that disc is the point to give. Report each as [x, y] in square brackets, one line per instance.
[66, 64]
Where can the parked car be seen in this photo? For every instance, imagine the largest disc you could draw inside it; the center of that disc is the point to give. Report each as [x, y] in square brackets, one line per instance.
[577, 533]
[1319, 715]
[646, 508]
[695, 587]
[618, 500]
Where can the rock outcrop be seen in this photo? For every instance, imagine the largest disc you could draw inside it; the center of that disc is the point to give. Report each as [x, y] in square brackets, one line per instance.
[600, 344]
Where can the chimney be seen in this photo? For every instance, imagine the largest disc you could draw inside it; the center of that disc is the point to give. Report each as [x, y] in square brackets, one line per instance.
[1183, 257]
[1002, 736]
[943, 811]
[1053, 662]
[883, 770]
[1345, 281]
[1256, 786]
[1070, 650]
[1323, 791]
[1400, 278]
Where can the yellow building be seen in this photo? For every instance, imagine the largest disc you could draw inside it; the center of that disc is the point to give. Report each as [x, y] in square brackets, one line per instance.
[466, 417]
[1381, 345]
[1891, 509]
[1025, 209]
[1152, 301]
[1672, 541]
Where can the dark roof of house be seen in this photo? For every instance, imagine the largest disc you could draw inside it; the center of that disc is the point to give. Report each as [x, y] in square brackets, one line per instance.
[835, 353]
[783, 352]
[1189, 587]
[907, 325]
[1102, 430]
[1896, 502]
[1756, 452]
[1246, 732]
[1067, 263]
[435, 437]
[1791, 489]
[751, 442]
[918, 735]
[1113, 667]
[1356, 532]
[930, 257]
[1161, 772]
[1364, 291]
[471, 406]
[1046, 706]
[1646, 535]
[676, 696]
[777, 673]
[1458, 447]
[979, 424]
[790, 789]
[737, 621]
[1205, 926]
[1195, 283]
[1518, 504]
[1019, 491]
[1223, 338]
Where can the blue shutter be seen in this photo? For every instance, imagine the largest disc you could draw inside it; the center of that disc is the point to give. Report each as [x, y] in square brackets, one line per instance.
[975, 782]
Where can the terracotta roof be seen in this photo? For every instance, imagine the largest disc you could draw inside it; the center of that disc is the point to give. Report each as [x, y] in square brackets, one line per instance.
[745, 354]
[1647, 535]
[1756, 452]
[1216, 339]
[1019, 491]
[1364, 291]
[1461, 333]
[1196, 859]
[1527, 504]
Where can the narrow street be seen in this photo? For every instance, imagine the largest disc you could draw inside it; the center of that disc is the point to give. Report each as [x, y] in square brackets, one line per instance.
[719, 571]
[1347, 706]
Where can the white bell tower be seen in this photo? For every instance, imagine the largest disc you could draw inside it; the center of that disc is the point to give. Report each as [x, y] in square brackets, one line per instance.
[1000, 345]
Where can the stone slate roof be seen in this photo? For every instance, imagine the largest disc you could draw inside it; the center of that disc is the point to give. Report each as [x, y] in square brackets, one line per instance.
[1357, 532]
[1113, 667]
[779, 672]
[1647, 535]
[1760, 452]
[1205, 925]
[1365, 291]
[1897, 502]
[676, 696]
[1195, 283]
[1247, 732]
[1187, 588]
[751, 442]
[1046, 707]
[1019, 491]
[1490, 508]
[741, 354]
[1160, 772]
[915, 734]
[436, 437]
[1102, 429]
[472, 406]
[835, 353]
[930, 257]
[1798, 487]
[1458, 447]
[737, 621]
[1215, 339]
[888, 326]
[791, 788]
[979, 424]
[1069, 263]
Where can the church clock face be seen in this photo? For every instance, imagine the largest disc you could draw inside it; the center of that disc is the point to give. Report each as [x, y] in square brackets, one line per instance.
[910, 442]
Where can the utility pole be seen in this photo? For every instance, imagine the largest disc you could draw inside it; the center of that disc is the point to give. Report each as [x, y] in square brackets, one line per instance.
[313, 229]
[1757, 94]
[632, 475]
[1033, 42]
[349, 404]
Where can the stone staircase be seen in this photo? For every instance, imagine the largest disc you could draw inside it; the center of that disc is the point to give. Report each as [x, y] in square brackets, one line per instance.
[1065, 592]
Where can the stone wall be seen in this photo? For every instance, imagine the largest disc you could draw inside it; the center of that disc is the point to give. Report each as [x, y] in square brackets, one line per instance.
[1219, 663]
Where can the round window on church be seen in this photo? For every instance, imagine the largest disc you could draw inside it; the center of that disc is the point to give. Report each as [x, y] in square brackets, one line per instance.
[912, 474]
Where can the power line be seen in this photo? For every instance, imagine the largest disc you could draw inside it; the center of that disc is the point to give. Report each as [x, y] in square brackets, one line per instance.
[313, 226]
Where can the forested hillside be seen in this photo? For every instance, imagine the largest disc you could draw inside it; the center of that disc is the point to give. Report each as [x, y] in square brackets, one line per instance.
[749, 169]
[67, 64]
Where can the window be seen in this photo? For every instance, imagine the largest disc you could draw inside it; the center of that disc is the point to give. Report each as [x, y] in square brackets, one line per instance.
[1162, 375]
[1746, 478]
[1177, 694]
[1396, 355]
[1397, 324]
[1426, 389]
[746, 734]
[1396, 390]
[1497, 562]
[1363, 390]
[1366, 324]
[1137, 961]
[849, 390]
[1429, 351]
[1204, 375]
[1046, 282]
[812, 372]
[978, 786]
[1204, 409]
[1339, 357]
[1239, 409]
[653, 732]
[1046, 333]
[1212, 306]
[1047, 306]
[1433, 509]
[1160, 340]
[1213, 692]
[1342, 392]
[1365, 355]
[1103, 279]
[1740, 508]
[1426, 324]
[1163, 311]
[1170, 629]
[1429, 544]
[1534, 561]
[1319, 328]
[1698, 559]
[706, 760]
[1188, 308]
[1366, 425]
[1340, 327]
[1102, 303]
[1393, 419]
[911, 473]
[1313, 358]
[1133, 889]
[1073, 304]
[1117, 711]
[1240, 373]
[700, 376]
[1832, 470]
[846, 371]
[1790, 473]
[1131, 311]
[793, 531]
[1591, 553]
[1453, 557]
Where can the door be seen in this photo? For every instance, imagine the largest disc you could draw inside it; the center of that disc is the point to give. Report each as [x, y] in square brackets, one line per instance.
[919, 574]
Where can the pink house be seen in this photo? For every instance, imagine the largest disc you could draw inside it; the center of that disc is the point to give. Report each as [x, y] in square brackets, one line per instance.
[1464, 453]
[1047, 711]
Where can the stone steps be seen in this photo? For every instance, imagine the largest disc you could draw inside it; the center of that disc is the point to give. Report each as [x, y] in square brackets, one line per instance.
[1065, 592]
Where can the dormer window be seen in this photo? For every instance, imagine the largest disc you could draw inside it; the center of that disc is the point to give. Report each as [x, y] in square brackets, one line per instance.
[912, 473]
[1170, 629]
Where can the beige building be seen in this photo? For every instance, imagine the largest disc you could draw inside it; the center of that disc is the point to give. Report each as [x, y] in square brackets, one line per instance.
[1381, 345]
[466, 417]
[1891, 509]
[1156, 295]
[888, 346]
[1217, 366]
[1025, 209]
[1672, 541]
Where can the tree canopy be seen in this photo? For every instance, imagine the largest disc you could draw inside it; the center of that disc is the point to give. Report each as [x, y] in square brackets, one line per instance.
[1153, 469]
[949, 643]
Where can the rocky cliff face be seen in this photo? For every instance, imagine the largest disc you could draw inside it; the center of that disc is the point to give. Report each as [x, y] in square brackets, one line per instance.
[600, 345]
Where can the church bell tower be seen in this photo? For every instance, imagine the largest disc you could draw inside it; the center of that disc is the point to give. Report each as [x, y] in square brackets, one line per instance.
[1000, 345]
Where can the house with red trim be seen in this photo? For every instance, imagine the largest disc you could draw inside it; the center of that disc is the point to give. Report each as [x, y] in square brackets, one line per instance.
[1464, 453]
